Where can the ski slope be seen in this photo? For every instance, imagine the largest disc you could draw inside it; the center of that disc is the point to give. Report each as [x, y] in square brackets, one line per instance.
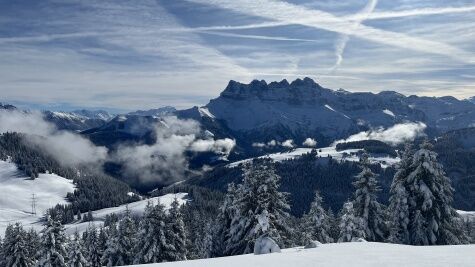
[17, 191]
[343, 155]
[346, 254]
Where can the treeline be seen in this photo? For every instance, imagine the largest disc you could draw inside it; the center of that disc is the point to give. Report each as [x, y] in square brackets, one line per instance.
[94, 189]
[370, 146]
[303, 175]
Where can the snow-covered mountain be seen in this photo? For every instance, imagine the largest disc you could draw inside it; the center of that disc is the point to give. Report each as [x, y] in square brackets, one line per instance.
[123, 128]
[261, 111]
[78, 120]
[157, 112]
[472, 99]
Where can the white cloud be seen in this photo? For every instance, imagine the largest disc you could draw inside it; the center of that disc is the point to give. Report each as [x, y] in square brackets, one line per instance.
[66, 147]
[288, 143]
[165, 161]
[310, 142]
[394, 135]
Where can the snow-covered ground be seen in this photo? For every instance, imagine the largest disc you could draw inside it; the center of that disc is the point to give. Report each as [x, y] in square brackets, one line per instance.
[135, 208]
[17, 192]
[467, 215]
[346, 155]
[16, 200]
[347, 254]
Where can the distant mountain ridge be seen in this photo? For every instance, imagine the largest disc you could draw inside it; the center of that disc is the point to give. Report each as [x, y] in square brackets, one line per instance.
[261, 111]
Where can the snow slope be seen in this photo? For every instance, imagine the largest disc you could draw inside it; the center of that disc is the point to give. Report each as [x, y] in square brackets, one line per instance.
[467, 215]
[135, 208]
[346, 254]
[16, 195]
[344, 155]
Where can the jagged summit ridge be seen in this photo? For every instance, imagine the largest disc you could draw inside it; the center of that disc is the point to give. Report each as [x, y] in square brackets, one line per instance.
[298, 88]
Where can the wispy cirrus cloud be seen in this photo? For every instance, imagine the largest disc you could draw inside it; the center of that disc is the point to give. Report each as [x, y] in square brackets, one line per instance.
[294, 14]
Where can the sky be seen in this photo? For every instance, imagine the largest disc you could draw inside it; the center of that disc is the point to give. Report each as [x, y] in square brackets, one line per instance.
[128, 55]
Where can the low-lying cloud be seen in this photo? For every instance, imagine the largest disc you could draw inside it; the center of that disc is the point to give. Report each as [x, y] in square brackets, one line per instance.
[67, 148]
[394, 135]
[310, 142]
[165, 161]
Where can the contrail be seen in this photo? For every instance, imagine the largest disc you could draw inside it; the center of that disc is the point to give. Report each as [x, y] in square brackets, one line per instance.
[294, 14]
[342, 40]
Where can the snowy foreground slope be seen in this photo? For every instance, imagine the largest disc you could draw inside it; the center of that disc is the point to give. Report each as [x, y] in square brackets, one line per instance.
[346, 254]
[16, 191]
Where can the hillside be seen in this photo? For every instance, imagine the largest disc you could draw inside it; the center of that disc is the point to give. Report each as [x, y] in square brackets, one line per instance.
[346, 254]
[17, 192]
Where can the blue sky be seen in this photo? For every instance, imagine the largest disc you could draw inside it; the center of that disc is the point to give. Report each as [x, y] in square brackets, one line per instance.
[126, 55]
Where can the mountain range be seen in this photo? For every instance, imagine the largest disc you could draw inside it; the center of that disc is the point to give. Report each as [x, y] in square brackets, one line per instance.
[261, 112]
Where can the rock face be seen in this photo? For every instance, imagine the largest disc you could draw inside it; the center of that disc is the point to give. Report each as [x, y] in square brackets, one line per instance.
[265, 245]
[261, 112]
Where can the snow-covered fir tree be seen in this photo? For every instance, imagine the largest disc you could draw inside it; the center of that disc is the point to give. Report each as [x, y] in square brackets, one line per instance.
[206, 246]
[92, 246]
[126, 239]
[110, 257]
[152, 244]
[351, 226]
[175, 234]
[76, 252]
[366, 204]
[227, 212]
[263, 210]
[33, 241]
[53, 244]
[15, 247]
[433, 219]
[317, 223]
[398, 211]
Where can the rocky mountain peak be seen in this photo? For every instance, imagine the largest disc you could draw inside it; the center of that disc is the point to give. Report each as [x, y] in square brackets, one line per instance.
[299, 88]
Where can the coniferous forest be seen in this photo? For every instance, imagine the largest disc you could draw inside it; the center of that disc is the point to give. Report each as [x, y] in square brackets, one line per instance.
[214, 224]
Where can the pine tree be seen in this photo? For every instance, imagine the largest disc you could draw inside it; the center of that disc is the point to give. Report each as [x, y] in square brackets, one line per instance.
[92, 247]
[15, 248]
[53, 251]
[152, 245]
[398, 211]
[33, 242]
[206, 246]
[317, 223]
[126, 239]
[227, 212]
[176, 235]
[366, 204]
[2, 255]
[110, 257]
[433, 220]
[76, 252]
[351, 226]
[262, 210]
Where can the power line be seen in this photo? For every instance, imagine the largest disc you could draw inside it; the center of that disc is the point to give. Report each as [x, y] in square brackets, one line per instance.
[33, 204]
